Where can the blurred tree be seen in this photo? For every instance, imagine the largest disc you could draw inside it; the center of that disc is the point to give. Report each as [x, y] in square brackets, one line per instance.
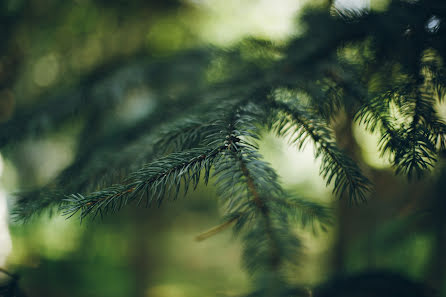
[151, 127]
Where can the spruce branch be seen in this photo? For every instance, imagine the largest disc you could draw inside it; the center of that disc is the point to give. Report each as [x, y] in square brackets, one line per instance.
[152, 182]
[103, 162]
[105, 166]
[376, 115]
[275, 257]
[160, 138]
[250, 185]
[418, 152]
[336, 166]
[412, 140]
[238, 128]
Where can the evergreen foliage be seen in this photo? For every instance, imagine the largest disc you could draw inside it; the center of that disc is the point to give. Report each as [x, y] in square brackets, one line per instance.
[384, 69]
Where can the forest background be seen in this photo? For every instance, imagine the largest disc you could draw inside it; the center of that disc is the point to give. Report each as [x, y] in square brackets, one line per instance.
[58, 49]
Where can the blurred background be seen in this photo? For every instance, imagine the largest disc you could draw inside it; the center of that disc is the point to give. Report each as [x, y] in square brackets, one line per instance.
[50, 46]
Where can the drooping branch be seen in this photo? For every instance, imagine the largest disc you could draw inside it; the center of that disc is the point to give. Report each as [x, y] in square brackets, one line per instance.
[336, 166]
[249, 186]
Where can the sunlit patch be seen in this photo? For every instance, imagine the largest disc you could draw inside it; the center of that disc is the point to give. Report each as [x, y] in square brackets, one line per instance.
[46, 70]
[38, 153]
[226, 22]
[295, 167]
[369, 144]
[58, 236]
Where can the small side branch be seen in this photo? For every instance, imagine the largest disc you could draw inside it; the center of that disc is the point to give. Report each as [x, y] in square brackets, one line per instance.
[216, 229]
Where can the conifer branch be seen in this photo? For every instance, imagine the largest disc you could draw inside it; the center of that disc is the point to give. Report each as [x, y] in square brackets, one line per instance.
[336, 166]
[104, 163]
[376, 115]
[418, 154]
[152, 182]
[261, 206]
[412, 142]
[209, 131]
[250, 185]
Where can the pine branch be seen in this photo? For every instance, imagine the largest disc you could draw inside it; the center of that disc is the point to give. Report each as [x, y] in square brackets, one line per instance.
[104, 165]
[417, 155]
[183, 134]
[97, 166]
[376, 115]
[188, 128]
[274, 256]
[417, 152]
[238, 127]
[336, 166]
[160, 178]
[250, 185]
[411, 142]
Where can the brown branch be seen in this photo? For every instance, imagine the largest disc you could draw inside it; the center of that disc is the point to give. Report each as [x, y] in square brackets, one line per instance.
[216, 229]
[276, 258]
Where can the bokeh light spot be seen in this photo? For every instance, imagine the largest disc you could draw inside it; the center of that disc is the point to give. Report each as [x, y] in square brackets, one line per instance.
[46, 70]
